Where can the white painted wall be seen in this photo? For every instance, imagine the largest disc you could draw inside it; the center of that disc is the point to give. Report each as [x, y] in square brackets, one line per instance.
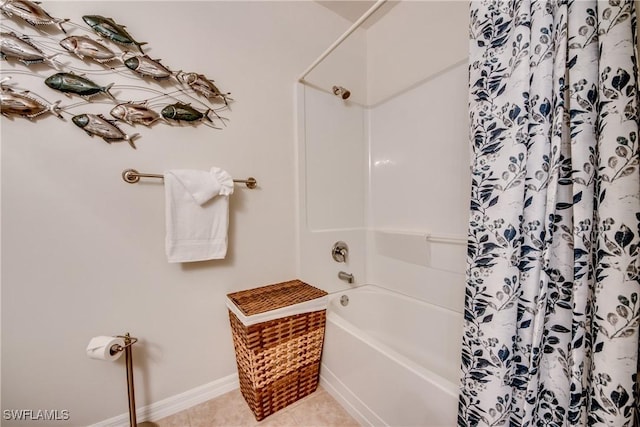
[83, 252]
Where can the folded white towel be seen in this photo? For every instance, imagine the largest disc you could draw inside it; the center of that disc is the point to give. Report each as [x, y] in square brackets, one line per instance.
[197, 214]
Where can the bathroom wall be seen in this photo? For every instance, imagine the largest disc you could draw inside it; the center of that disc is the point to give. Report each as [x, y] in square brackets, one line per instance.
[83, 251]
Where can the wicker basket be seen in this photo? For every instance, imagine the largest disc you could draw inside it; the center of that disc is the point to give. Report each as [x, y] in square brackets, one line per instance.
[278, 359]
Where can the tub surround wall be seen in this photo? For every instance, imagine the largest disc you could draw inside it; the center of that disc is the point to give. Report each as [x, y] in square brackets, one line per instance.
[332, 187]
[332, 166]
[345, 66]
[419, 158]
[414, 41]
[418, 145]
[414, 148]
[83, 252]
[334, 159]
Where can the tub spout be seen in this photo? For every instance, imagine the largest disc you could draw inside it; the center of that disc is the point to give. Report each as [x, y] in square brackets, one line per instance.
[348, 277]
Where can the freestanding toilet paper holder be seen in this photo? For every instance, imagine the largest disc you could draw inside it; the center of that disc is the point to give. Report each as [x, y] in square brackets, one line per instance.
[129, 341]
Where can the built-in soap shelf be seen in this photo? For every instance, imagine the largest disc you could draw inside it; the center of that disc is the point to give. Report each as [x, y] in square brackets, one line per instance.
[434, 250]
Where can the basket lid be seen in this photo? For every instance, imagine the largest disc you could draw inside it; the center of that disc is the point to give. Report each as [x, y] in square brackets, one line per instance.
[276, 301]
[272, 297]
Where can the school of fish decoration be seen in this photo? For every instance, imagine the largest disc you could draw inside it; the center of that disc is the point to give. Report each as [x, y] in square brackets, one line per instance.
[176, 106]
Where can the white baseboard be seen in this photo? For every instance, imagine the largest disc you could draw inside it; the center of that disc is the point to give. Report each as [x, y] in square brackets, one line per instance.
[175, 404]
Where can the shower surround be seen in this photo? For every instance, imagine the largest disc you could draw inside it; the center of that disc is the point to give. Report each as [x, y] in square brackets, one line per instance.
[380, 171]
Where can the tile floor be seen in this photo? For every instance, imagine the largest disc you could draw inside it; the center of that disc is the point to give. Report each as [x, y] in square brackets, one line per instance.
[318, 409]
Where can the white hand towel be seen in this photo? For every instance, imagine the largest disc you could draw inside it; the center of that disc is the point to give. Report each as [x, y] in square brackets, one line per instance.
[197, 214]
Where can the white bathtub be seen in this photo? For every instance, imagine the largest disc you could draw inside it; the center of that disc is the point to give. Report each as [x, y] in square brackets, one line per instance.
[391, 359]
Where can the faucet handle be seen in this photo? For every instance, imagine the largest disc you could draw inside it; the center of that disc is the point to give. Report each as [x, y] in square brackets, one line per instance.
[340, 251]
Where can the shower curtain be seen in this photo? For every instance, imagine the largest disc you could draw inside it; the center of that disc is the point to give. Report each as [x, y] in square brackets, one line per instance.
[552, 298]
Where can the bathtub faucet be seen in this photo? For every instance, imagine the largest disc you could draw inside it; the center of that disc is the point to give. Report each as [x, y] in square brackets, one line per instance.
[348, 277]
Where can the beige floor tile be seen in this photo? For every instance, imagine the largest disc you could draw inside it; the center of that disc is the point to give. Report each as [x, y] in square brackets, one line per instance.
[318, 392]
[322, 410]
[181, 419]
[318, 409]
[282, 418]
[228, 410]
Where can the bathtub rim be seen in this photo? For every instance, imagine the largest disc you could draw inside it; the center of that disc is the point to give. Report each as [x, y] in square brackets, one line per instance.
[382, 289]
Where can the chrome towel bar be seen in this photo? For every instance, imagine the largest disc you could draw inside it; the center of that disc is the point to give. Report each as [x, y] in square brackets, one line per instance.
[132, 176]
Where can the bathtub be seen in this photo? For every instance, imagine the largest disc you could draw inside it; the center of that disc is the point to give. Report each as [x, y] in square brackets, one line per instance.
[392, 360]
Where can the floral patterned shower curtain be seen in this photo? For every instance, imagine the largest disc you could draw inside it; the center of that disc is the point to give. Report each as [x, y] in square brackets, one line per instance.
[552, 299]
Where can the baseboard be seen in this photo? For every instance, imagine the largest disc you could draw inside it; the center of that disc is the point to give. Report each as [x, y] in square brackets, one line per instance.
[175, 404]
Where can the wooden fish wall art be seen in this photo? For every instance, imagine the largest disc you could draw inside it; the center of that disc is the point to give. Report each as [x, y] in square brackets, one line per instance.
[94, 64]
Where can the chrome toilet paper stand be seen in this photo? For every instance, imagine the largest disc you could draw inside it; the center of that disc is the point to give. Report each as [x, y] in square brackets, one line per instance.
[129, 341]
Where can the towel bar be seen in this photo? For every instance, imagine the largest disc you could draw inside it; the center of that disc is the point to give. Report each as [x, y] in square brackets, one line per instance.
[132, 176]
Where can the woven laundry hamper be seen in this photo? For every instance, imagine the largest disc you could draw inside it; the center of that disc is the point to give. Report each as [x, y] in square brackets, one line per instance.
[278, 331]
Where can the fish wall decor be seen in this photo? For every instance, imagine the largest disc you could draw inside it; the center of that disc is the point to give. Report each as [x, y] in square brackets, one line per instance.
[83, 46]
[23, 104]
[78, 85]
[202, 86]
[21, 48]
[132, 113]
[184, 113]
[108, 28]
[152, 91]
[97, 125]
[147, 67]
[30, 12]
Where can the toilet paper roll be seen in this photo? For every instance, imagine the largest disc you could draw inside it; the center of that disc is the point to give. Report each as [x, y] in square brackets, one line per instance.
[100, 348]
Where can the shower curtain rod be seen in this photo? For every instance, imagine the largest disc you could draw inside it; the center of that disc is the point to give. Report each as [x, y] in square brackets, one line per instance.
[341, 39]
